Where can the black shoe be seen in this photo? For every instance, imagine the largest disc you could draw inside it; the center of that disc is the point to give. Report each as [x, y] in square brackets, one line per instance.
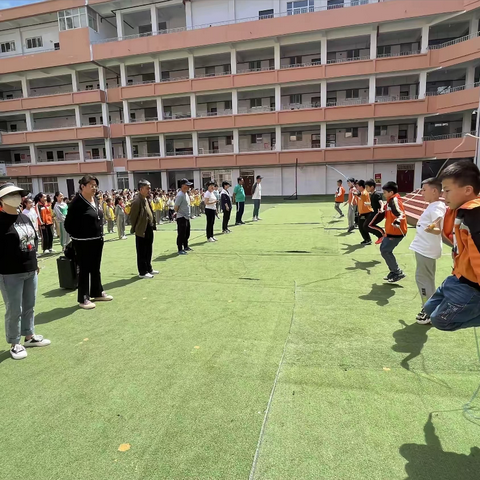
[366, 242]
[242, 223]
[423, 318]
[188, 249]
[182, 252]
[397, 277]
[351, 229]
[237, 224]
[389, 276]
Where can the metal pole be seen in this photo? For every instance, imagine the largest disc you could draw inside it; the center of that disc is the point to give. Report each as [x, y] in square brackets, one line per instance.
[477, 133]
[296, 178]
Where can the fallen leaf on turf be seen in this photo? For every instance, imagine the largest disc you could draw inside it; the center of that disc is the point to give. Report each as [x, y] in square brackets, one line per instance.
[144, 298]
[124, 447]
[196, 347]
[386, 369]
[230, 301]
[85, 339]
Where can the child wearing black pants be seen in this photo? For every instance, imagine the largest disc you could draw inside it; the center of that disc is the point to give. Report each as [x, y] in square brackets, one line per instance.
[226, 205]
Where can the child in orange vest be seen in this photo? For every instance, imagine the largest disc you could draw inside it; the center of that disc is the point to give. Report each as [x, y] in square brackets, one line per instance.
[395, 230]
[339, 198]
[456, 304]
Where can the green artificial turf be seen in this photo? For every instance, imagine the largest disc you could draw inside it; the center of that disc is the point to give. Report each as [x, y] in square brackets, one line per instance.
[362, 392]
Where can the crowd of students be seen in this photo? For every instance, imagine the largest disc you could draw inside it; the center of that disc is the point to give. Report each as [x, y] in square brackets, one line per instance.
[454, 221]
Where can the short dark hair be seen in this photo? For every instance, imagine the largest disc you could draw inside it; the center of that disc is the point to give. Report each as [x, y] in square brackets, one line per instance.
[225, 183]
[351, 180]
[86, 179]
[463, 173]
[239, 178]
[361, 183]
[370, 183]
[390, 187]
[434, 182]
[143, 183]
[340, 181]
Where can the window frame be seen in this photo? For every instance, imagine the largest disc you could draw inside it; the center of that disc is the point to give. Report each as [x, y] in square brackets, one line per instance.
[38, 41]
[294, 9]
[264, 14]
[53, 181]
[11, 46]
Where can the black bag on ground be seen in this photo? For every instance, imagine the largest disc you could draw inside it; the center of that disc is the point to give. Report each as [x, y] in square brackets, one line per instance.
[67, 273]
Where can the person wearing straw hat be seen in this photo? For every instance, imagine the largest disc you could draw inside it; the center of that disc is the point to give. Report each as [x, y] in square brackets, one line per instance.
[18, 272]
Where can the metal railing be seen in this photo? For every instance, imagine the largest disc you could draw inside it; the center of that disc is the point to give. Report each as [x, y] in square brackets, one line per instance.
[27, 52]
[447, 136]
[386, 140]
[350, 59]
[395, 98]
[179, 154]
[146, 155]
[174, 79]
[348, 101]
[261, 69]
[177, 116]
[335, 145]
[13, 98]
[301, 65]
[300, 106]
[140, 82]
[261, 109]
[399, 54]
[217, 151]
[455, 41]
[218, 113]
[449, 89]
[208, 75]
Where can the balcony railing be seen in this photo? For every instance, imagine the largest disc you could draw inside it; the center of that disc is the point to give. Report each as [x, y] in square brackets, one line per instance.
[178, 154]
[335, 145]
[453, 89]
[395, 98]
[350, 59]
[399, 54]
[261, 69]
[139, 82]
[28, 52]
[146, 155]
[176, 116]
[214, 74]
[300, 65]
[387, 140]
[300, 106]
[454, 42]
[215, 151]
[218, 113]
[261, 109]
[447, 136]
[347, 101]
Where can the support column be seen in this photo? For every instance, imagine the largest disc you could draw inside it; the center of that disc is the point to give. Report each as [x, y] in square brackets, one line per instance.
[108, 149]
[189, 21]
[29, 121]
[33, 154]
[128, 147]
[119, 18]
[195, 142]
[158, 70]
[425, 36]
[24, 87]
[278, 98]
[78, 116]
[105, 115]
[102, 79]
[467, 121]
[420, 128]
[123, 75]
[373, 43]
[160, 108]
[193, 105]
[75, 81]
[470, 76]
[81, 150]
[233, 61]
[197, 179]
[473, 28]
[131, 180]
[371, 132]
[372, 89]
[323, 135]
[191, 65]
[422, 85]
[161, 141]
[154, 18]
[323, 93]
[276, 56]
[323, 50]
[278, 138]
[236, 141]
[126, 112]
[235, 102]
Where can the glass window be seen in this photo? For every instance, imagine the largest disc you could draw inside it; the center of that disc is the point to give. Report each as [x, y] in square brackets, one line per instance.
[300, 6]
[262, 14]
[255, 102]
[50, 185]
[92, 19]
[122, 181]
[50, 156]
[70, 19]
[7, 47]
[26, 183]
[256, 138]
[35, 42]
[60, 155]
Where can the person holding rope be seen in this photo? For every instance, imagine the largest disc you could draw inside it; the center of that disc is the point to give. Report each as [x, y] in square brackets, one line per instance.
[378, 214]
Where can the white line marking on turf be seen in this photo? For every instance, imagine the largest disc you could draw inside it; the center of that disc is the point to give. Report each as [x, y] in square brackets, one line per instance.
[272, 393]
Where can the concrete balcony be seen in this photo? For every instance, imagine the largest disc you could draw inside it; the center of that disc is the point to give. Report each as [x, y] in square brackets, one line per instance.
[60, 168]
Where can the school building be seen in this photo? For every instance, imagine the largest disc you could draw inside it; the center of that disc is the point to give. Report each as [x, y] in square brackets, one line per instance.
[166, 89]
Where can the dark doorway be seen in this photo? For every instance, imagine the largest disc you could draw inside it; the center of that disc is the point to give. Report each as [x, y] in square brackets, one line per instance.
[248, 179]
[70, 187]
[405, 178]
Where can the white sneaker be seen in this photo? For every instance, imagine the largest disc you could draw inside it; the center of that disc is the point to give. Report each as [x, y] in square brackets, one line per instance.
[104, 298]
[36, 341]
[52, 251]
[255, 219]
[214, 239]
[258, 218]
[147, 275]
[211, 239]
[124, 237]
[154, 272]
[87, 305]
[18, 352]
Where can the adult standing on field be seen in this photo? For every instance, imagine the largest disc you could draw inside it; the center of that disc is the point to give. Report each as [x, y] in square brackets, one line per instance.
[183, 212]
[143, 225]
[18, 272]
[239, 200]
[84, 223]
[257, 197]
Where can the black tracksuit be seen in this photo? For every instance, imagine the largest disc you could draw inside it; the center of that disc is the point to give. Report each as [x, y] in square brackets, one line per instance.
[225, 201]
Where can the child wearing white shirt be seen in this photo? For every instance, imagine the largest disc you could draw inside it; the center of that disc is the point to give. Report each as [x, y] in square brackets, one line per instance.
[427, 243]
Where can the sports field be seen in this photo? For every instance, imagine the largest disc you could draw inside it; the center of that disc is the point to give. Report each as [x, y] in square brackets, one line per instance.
[276, 353]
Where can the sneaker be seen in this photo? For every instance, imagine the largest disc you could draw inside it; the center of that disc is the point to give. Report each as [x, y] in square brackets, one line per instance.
[36, 341]
[255, 219]
[87, 305]
[228, 230]
[52, 251]
[154, 272]
[215, 239]
[147, 275]
[211, 239]
[237, 224]
[389, 276]
[423, 318]
[379, 241]
[18, 352]
[397, 277]
[351, 229]
[182, 252]
[341, 216]
[124, 237]
[258, 218]
[188, 249]
[366, 243]
[242, 223]
[104, 298]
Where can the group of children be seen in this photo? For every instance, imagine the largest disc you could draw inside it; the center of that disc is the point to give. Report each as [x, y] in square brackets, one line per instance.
[455, 221]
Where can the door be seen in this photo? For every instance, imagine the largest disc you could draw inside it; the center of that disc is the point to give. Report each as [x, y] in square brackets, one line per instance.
[405, 179]
[248, 179]
[70, 187]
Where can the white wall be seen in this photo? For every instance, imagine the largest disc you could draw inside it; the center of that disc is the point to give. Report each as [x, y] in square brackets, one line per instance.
[105, 29]
[250, 8]
[311, 179]
[49, 34]
[57, 122]
[212, 11]
[272, 180]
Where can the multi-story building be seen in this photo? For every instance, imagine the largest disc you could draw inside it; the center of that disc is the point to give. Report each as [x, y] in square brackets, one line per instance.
[168, 89]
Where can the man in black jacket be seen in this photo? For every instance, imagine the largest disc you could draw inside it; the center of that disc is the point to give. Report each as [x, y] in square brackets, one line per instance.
[226, 205]
[143, 225]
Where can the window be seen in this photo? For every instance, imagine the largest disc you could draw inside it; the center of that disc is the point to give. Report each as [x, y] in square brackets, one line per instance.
[297, 98]
[295, 60]
[351, 132]
[296, 136]
[6, 47]
[60, 155]
[35, 42]
[50, 156]
[13, 127]
[300, 6]
[210, 71]
[162, 26]
[256, 138]
[228, 104]
[271, 64]
[229, 140]
[382, 91]
[122, 181]
[9, 96]
[316, 61]
[315, 101]
[255, 66]
[315, 140]
[70, 19]
[355, 53]
[92, 120]
[50, 184]
[165, 76]
[95, 153]
[88, 87]
[405, 90]
[352, 93]
[25, 183]
[385, 50]
[335, 4]
[130, 81]
[255, 102]
[17, 158]
[133, 117]
[402, 133]
[262, 14]
[380, 131]
[135, 150]
[227, 69]
[56, 46]
[92, 19]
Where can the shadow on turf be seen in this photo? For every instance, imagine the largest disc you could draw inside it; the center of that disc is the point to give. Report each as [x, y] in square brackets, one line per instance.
[60, 292]
[5, 355]
[381, 293]
[55, 314]
[430, 461]
[366, 266]
[410, 339]
[351, 248]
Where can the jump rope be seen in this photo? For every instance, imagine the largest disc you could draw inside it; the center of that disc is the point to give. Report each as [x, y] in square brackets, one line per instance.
[467, 408]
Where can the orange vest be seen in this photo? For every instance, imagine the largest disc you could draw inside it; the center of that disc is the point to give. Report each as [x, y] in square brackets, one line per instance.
[449, 223]
[466, 254]
[364, 203]
[352, 199]
[340, 196]
[390, 229]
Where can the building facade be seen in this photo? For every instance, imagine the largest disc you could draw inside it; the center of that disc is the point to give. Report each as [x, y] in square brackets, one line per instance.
[169, 89]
